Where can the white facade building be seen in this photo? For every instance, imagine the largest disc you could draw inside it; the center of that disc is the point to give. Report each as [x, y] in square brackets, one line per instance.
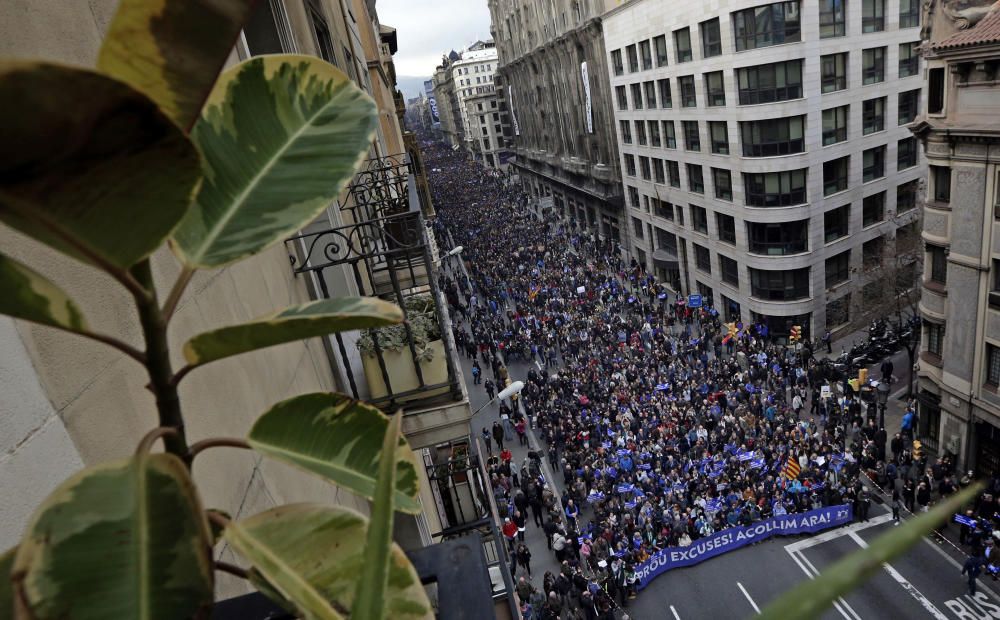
[765, 152]
[473, 75]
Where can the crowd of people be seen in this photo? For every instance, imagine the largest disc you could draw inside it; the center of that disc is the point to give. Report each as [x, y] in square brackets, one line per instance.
[661, 425]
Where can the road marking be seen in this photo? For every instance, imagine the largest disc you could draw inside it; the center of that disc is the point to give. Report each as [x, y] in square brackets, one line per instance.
[539, 366]
[676, 615]
[747, 594]
[825, 537]
[807, 567]
[902, 581]
[980, 586]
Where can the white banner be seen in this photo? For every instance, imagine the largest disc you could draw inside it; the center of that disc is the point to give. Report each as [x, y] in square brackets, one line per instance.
[589, 111]
[513, 117]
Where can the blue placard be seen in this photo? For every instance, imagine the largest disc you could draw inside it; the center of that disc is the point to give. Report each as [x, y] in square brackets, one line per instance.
[694, 301]
[964, 520]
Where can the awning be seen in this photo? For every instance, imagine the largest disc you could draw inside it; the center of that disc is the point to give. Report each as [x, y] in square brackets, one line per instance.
[665, 259]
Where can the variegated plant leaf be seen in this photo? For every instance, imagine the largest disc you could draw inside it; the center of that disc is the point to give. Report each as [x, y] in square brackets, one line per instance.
[313, 556]
[309, 320]
[172, 51]
[119, 540]
[30, 296]
[89, 165]
[6, 589]
[338, 438]
[280, 136]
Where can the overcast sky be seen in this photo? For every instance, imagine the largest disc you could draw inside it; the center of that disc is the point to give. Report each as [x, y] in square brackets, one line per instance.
[426, 29]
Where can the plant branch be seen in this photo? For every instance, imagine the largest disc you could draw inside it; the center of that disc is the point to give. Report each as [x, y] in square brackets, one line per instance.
[180, 374]
[154, 328]
[146, 443]
[232, 569]
[124, 347]
[217, 518]
[217, 442]
[175, 293]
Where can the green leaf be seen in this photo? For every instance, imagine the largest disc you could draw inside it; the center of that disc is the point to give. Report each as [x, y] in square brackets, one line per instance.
[369, 601]
[90, 166]
[172, 51]
[317, 318]
[280, 137]
[313, 556]
[6, 589]
[338, 438]
[810, 598]
[30, 296]
[119, 540]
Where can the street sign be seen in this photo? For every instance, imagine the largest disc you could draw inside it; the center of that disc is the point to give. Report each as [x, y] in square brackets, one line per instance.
[694, 301]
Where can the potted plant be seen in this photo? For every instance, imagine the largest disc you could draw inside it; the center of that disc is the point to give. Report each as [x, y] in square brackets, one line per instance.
[393, 343]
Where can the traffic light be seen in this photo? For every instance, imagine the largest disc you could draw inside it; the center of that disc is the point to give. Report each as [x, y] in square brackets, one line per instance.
[916, 450]
[796, 334]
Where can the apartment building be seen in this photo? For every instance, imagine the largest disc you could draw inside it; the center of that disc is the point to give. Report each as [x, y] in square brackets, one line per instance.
[765, 150]
[473, 77]
[959, 367]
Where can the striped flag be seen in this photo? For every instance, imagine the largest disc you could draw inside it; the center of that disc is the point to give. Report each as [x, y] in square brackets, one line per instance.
[792, 468]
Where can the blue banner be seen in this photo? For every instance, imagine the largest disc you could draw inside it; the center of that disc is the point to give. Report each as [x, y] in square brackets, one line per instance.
[734, 538]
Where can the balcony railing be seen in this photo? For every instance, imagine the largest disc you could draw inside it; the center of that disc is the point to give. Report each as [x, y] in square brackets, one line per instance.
[380, 188]
[390, 258]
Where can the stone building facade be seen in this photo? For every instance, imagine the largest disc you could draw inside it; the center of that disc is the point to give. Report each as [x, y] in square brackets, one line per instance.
[766, 154]
[959, 367]
[451, 129]
[553, 75]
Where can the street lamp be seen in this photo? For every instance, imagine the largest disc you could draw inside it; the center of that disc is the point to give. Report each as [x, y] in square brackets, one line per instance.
[507, 392]
[454, 251]
[882, 393]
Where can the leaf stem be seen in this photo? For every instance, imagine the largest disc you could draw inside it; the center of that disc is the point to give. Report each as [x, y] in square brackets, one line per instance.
[217, 442]
[232, 569]
[154, 328]
[146, 444]
[124, 347]
[175, 293]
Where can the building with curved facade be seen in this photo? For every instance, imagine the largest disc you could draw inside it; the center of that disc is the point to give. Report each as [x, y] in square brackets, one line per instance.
[765, 150]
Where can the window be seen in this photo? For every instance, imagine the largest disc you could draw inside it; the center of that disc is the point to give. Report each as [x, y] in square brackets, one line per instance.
[636, 96]
[779, 285]
[715, 89]
[633, 59]
[908, 104]
[654, 133]
[658, 175]
[871, 253]
[699, 219]
[838, 312]
[702, 258]
[682, 42]
[838, 269]
[873, 209]
[833, 72]
[711, 38]
[909, 13]
[778, 239]
[727, 228]
[666, 101]
[832, 19]
[935, 337]
[669, 135]
[637, 227]
[836, 223]
[321, 31]
[935, 90]
[646, 54]
[779, 81]
[719, 134]
[666, 211]
[909, 59]
[622, 94]
[696, 182]
[692, 138]
[688, 97]
[995, 285]
[835, 175]
[873, 16]
[630, 164]
[644, 168]
[660, 47]
[873, 166]
[775, 189]
[650, 91]
[873, 115]
[673, 173]
[267, 31]
[873, 65]
[835, 125]
[770, 24]
[640, 133]
[723, 182]
[626, 131]
[939, 263]
[616, 62]
[633, 198]
[778, 136]
[906, 153]
[730, 270]
[941, 179]
[906, 196]
[992, 365]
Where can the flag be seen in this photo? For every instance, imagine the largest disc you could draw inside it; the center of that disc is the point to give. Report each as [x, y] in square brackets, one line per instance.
[792, 468]
[757, 463]
[713, 505]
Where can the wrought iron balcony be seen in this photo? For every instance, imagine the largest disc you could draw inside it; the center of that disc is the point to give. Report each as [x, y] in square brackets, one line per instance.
[386, 186]
[387, 257]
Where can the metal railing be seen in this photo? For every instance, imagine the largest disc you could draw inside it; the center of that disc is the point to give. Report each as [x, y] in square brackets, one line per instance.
[379, 188]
